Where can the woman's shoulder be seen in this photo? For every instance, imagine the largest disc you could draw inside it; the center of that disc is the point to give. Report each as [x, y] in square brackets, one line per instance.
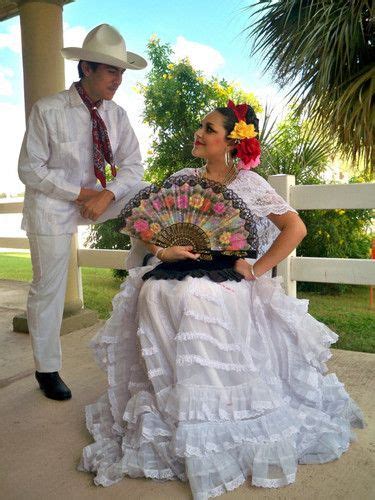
[253, 182]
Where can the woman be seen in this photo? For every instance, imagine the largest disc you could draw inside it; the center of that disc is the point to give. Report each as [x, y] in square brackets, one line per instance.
[216, 382]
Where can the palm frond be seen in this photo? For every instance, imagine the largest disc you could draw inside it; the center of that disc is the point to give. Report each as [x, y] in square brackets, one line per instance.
[324, 51]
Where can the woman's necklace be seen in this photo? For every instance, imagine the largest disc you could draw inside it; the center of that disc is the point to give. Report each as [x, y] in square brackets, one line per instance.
[229, 177]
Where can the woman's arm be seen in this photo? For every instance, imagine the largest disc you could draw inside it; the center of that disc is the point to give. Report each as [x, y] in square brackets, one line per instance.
[172, 254]
[293, 230]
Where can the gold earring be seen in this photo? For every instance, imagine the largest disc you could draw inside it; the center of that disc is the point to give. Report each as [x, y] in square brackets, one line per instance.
[227, 159]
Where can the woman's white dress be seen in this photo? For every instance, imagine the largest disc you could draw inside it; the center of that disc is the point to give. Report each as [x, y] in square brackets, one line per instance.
[216, 382]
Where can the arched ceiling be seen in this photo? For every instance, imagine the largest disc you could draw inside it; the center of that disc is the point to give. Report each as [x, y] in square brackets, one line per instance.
[10, 8]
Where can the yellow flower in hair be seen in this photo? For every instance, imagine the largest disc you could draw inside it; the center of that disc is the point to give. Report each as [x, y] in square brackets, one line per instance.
[243, 130]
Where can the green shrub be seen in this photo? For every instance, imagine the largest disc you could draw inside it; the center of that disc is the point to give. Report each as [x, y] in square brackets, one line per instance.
[334, 234]
[107, 236]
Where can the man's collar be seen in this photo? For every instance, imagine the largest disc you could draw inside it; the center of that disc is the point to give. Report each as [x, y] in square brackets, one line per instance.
[75, 99]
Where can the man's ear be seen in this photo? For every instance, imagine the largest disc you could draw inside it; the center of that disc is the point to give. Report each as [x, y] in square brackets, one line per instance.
[85, 68]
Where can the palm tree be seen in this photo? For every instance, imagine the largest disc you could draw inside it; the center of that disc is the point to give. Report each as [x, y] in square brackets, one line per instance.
[324, 50]
[293, 146]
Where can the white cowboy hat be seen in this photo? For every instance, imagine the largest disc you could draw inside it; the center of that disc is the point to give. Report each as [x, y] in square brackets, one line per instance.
[105, 45]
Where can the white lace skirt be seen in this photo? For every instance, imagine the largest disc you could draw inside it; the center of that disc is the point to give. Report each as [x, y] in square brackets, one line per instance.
[213, 383]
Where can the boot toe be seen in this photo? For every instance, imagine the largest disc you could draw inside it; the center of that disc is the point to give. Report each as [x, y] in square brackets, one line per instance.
[52, 385]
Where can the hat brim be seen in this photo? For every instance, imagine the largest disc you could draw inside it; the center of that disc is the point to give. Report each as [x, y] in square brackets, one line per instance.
[77, 54]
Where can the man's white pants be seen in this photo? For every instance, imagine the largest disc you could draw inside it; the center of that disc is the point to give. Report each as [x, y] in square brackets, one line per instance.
[45, 304]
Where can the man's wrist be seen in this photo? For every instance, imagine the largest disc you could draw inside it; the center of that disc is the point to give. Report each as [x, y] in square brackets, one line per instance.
[109, 193]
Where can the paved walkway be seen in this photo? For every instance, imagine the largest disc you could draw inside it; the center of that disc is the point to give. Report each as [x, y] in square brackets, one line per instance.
[41, 439]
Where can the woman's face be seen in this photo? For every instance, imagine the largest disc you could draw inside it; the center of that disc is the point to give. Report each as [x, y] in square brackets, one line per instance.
[210, 140]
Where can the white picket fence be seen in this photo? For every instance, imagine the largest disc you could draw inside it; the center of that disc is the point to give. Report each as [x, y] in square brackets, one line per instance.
[293, 269]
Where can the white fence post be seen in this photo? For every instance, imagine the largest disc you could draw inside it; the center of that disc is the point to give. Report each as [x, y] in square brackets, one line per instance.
[282, 184]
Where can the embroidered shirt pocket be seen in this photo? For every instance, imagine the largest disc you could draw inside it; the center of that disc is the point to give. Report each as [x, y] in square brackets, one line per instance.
[64, 155]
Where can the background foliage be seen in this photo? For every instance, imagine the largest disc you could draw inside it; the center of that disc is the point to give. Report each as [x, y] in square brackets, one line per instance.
[324, 50]
[176, 97]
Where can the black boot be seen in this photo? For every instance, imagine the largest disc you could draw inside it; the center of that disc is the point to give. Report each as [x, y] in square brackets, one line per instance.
[53, 386]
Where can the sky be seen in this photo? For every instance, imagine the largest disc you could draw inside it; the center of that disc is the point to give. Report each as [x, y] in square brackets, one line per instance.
[210, 33]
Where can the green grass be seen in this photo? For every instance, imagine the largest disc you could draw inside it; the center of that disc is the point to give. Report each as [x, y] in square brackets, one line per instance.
[99, 285]
[348, 315]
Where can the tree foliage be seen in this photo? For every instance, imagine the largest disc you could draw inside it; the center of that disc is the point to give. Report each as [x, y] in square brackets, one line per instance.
[324, 50]
[295, 148]
[176, 97]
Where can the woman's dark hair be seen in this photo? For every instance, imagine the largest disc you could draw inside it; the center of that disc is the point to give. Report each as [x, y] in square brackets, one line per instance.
[230, 120]
[93, 66]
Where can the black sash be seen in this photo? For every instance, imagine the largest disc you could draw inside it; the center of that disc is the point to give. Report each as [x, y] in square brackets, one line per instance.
[219, 269]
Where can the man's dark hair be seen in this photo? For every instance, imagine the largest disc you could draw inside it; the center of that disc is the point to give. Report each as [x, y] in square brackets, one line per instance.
[93, 66]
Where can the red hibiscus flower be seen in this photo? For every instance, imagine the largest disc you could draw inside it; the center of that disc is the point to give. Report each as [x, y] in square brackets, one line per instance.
[248, 150]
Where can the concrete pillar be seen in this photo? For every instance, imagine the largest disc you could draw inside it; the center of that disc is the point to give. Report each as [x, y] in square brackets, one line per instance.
[282, 184]
[43, 72]
[42, 40]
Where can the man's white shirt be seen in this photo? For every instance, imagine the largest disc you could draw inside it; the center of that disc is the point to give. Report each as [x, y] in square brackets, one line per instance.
[56, 160]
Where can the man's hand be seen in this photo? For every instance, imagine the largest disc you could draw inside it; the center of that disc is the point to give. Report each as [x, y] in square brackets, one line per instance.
[96, 203]
[85, 194]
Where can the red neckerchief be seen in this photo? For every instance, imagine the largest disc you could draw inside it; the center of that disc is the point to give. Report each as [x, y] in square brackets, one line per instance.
[102, 151]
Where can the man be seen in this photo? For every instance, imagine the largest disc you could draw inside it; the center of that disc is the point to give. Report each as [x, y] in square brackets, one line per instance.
[70, 137]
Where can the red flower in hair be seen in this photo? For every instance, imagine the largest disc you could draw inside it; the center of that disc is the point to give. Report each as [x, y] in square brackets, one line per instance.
[240, 110]
[248, 150]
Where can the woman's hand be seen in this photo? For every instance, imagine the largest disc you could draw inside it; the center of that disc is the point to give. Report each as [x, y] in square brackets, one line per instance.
[172, 254]
[246, 269]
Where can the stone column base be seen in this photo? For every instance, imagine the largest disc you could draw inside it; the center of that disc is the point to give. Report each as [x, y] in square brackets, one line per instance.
[71, 321]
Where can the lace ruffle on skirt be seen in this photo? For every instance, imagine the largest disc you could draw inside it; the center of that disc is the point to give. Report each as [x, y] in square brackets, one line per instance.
[213, 383]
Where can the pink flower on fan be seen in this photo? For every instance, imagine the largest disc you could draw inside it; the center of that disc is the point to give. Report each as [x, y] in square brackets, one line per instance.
[157, 204]
[206, 205]
[146, 235]
[182, 201]
[237, 241]
[141, 225]
[219, 208]
[169, 201]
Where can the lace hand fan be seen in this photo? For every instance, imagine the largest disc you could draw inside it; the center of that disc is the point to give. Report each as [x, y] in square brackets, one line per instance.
[191, 210]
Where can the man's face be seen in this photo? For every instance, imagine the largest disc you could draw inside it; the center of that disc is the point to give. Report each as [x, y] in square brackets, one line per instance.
[103, 82]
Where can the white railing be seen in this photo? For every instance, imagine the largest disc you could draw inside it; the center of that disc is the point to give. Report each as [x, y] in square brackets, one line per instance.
[324, 197]
[293, 268]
